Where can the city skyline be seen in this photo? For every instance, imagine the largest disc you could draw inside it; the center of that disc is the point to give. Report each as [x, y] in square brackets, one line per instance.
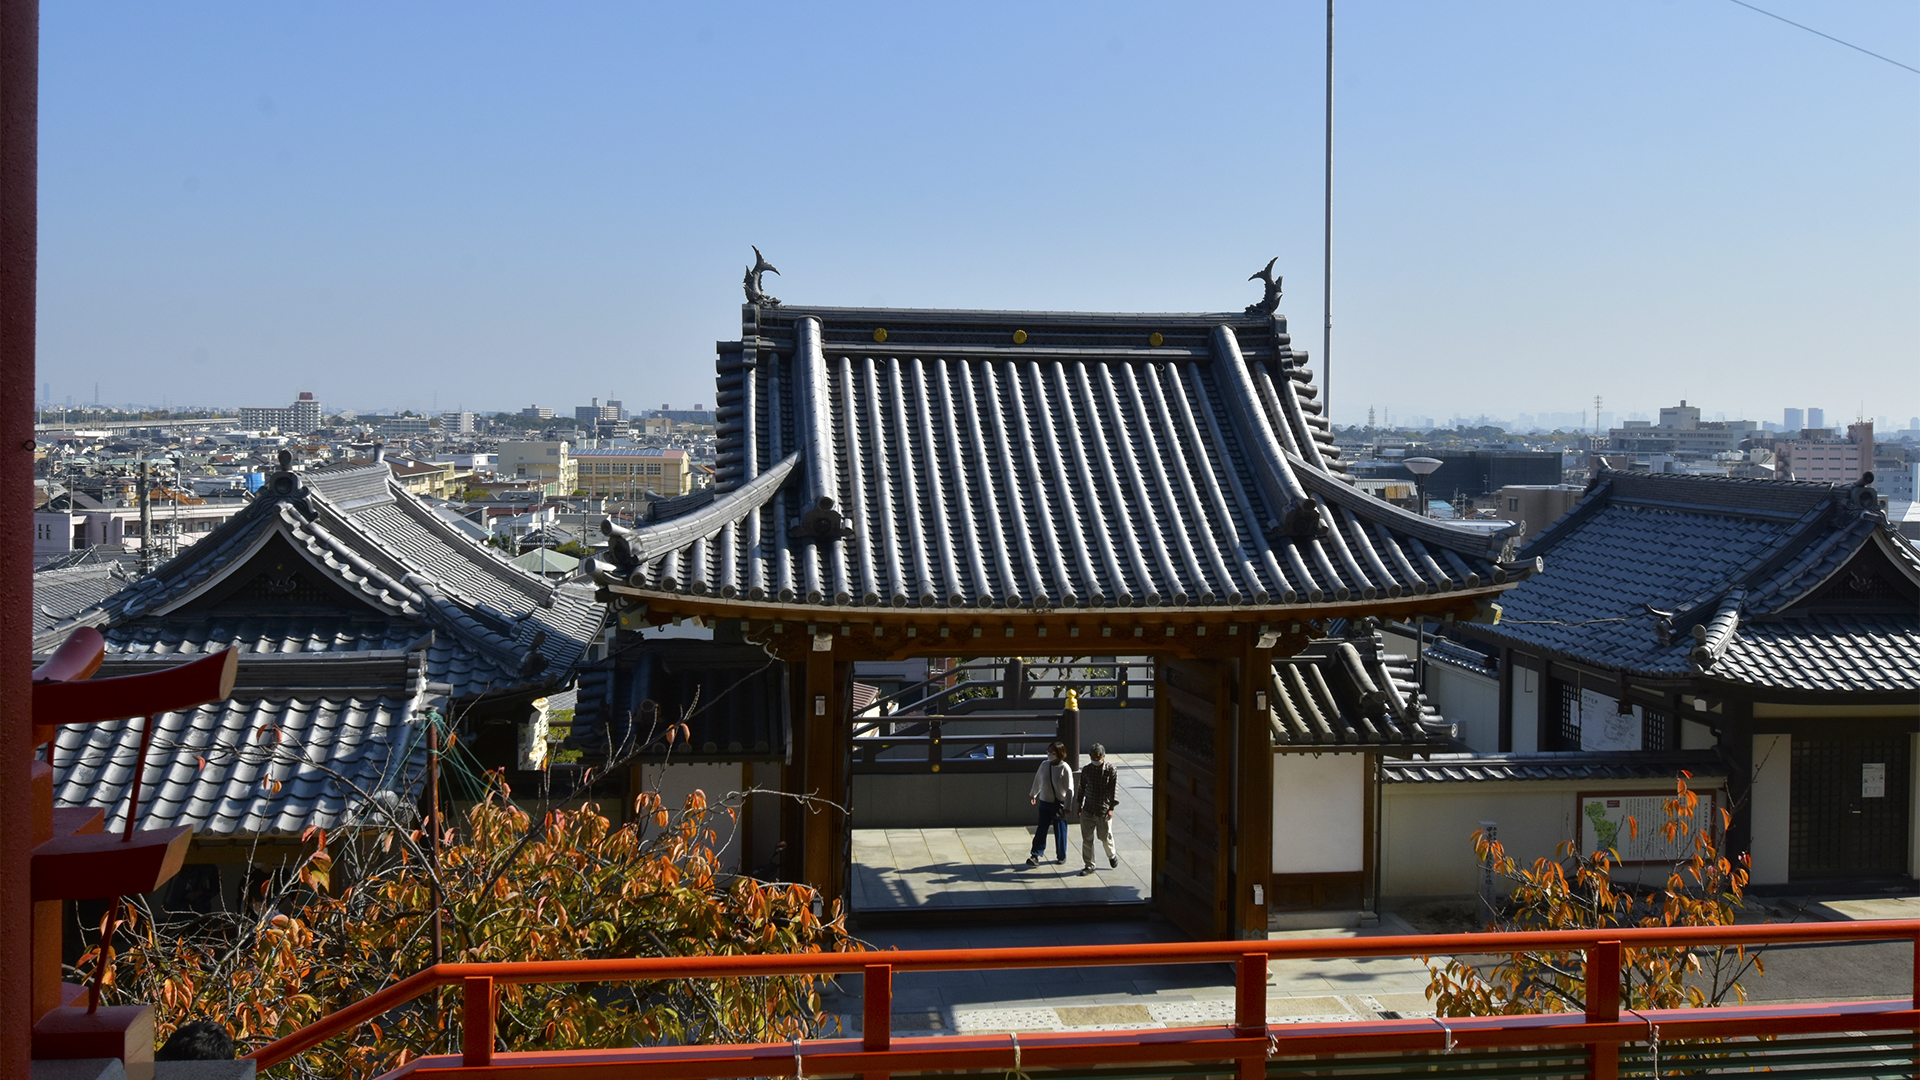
[463, 201]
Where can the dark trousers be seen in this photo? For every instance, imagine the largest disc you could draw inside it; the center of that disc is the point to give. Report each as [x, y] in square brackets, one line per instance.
[1051, 820]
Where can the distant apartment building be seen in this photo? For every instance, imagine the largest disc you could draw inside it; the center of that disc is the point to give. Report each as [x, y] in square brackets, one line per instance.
[408, 427]
[458, 423]
[59, 532]
[699, 414]
[1816, 418]
[551, 463]
[537, 412]
[301, 416]
[1681, 431]
[596, 412]
[633, 471]
[1793, 419]
[1821, 455]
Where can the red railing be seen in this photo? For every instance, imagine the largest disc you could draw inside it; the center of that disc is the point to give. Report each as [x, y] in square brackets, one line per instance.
[1247, 1043]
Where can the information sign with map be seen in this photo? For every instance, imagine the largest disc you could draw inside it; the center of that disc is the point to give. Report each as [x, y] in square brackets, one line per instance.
[1603, 825]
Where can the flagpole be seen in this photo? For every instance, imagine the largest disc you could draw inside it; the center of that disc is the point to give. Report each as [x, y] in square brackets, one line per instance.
[1326, 267]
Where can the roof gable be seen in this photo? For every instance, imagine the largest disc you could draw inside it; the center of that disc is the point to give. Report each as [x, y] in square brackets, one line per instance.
[1769, 583]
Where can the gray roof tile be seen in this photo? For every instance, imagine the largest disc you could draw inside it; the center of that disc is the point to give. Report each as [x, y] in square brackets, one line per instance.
[1734, 559]
[215, 767]
[1032, 460]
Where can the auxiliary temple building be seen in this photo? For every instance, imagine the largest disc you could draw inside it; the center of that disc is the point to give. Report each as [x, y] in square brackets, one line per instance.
[896, 483]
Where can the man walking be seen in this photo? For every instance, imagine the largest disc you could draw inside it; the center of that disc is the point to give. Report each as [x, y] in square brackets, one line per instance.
[1052, 792]
[1099, 794]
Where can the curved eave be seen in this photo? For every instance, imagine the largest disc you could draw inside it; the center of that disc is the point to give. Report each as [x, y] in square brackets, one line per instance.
[651, 541]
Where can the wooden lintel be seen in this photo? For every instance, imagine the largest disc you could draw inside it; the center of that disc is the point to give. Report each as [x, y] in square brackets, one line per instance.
[1113, 622]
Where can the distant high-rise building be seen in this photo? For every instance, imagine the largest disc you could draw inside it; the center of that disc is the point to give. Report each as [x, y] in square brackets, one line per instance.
[1818, 455]
[1680, 431]
[1816, 418]
[457, 423]
[302, 416]
[596, 412]
[535, 412]
[1793, 420]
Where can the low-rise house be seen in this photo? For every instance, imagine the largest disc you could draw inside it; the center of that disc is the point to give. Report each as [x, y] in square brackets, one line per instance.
[1774, 623]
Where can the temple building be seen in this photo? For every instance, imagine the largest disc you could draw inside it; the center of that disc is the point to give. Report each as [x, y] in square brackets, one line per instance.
[896, 483]
[357, 611]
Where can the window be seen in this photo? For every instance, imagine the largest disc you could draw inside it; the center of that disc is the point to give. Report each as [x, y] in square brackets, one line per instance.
[1513, 506]
[1656, 729]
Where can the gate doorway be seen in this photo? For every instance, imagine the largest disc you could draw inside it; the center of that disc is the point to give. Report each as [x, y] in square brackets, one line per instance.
[1848, 815]
[939, 772]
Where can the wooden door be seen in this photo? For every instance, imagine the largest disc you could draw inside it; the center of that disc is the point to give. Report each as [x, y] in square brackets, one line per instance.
[1848, 815]
[1193, 790]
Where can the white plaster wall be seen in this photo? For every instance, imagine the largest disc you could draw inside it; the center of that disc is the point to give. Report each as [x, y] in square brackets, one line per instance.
[1470, 700]
[717, 780]
[1426, 830]
[1771, 797]
[1526, 710]
[1696, 736]
[1319, 813]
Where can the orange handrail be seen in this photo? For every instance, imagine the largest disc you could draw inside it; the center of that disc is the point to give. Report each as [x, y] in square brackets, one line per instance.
[1250, 957]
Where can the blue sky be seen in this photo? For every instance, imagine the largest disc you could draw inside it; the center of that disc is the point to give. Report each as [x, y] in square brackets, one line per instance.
[490, 204]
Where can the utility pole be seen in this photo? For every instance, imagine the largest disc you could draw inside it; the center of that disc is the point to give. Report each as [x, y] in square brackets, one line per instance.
[1326, 266]
[146, 518]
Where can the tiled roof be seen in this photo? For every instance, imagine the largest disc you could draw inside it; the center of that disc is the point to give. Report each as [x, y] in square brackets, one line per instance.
[1447, 651]
[249, 767]
[1472, 768]
[61, 594]
[358, 527]
[1349, 693]
[332, 684]
[1033, 460]
[1671, 576]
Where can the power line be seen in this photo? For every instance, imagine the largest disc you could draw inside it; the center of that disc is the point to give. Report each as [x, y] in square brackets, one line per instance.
[1829, 37]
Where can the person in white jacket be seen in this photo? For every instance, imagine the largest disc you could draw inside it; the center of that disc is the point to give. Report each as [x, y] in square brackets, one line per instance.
[1052, 792]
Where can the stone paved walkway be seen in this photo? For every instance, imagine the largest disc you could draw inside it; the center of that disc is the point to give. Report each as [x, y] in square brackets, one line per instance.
[912, 869]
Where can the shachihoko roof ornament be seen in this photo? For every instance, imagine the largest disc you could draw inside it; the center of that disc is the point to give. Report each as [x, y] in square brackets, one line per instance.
[756, 295]
[1269, 303]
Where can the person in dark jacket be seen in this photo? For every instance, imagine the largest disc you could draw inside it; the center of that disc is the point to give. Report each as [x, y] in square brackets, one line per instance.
[1099, 794]
[1052, 792]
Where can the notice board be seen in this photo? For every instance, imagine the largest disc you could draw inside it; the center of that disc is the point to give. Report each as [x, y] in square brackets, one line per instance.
[1603, 825]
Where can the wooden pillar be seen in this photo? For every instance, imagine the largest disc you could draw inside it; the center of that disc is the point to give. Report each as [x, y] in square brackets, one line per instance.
[824, 774]
[19, 187]
[1253, 791]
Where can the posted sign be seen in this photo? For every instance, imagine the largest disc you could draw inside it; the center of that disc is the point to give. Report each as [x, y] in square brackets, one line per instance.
[1603, 825]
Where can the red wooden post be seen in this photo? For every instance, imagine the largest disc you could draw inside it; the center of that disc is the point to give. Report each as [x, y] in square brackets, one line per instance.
[1250, 1010]
[876, 1009]
[1603, 1007]
[19, 217]
[476, 1021]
